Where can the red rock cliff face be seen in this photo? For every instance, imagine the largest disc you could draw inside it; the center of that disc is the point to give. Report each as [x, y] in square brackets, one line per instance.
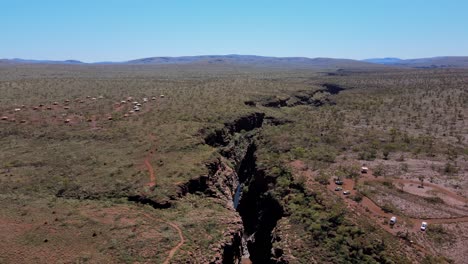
[248, 228]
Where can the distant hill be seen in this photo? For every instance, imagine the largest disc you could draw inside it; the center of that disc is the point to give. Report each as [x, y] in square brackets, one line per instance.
[253, 60]
[25, 61]
[436, 62]
[274, 62]
[241, 60]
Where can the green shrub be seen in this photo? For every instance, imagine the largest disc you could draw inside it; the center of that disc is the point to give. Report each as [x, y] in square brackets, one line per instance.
[450, 169]
[357, 197]
[380, 170]
[368, 155]
[348, 171]
[389, 208]
[385, 154]
[323, 178]
[388, 184]
[434, 200]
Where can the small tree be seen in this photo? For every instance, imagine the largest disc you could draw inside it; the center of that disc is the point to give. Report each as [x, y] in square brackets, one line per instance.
[323, 178]
[393, 134]
[386, 152]
[421, 179]
[380, 170]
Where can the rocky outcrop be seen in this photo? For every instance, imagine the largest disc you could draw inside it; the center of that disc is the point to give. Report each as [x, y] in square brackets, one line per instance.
[332, 88]
[222, 137]
[317, 97]
[156, 204]
[220, 182]
[246, 123]
[229, 250]
[276, 102]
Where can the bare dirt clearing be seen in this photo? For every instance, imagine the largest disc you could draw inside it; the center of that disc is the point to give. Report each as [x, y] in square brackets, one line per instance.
[405, 224]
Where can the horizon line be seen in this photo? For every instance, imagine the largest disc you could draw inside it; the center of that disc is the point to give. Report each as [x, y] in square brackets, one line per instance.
[219, 55]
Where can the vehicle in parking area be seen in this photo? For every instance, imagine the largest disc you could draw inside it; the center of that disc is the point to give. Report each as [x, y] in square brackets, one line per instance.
[423, 226]
[364, 169]
[339, 182]
[338, 188]
[393, 220]
[347, 192]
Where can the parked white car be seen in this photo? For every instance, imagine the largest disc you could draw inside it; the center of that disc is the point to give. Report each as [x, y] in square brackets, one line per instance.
[423, 226]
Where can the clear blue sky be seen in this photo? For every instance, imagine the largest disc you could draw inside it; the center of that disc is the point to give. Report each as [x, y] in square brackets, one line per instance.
[102, 30]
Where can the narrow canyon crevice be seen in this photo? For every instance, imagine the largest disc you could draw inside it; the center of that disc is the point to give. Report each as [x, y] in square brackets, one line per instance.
[145, 200]
[259, 210]
[222, 137]
[317, 97]
[248, 187]
[233, 177]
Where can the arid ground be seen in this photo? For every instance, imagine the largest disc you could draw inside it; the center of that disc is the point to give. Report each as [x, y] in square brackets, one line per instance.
[229, 164]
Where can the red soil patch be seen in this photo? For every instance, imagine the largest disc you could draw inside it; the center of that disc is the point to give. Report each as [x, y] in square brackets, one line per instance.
[446, 195]
[148, 165]
[374, 211]
[152, 176]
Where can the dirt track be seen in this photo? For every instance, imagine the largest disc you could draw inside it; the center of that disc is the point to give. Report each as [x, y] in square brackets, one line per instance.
[179, 232]
[437, 189]
[369, 207]
[152, 183]
[174, 249]
[148, 165]
[151, 171]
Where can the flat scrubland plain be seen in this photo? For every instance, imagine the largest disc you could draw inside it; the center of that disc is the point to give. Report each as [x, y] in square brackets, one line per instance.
[85, 178]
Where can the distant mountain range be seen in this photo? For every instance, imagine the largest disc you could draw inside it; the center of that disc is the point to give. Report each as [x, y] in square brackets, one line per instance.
[294, 62]
[25, 61]
[252, 60]
[436, 62]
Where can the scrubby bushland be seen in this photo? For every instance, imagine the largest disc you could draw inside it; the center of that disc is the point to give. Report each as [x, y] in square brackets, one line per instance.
[324, 227]
[393, 115]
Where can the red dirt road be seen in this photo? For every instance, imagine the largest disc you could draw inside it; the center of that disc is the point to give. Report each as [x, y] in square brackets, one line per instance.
[152, 176]
[174, 249]
[369, 208]
[372, 209]
[148, 165]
